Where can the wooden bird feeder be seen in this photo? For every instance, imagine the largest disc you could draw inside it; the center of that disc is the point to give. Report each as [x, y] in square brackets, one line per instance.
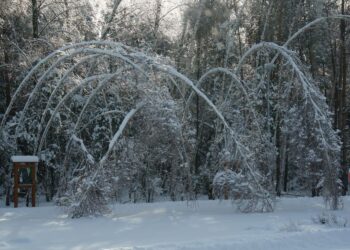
[24, 172]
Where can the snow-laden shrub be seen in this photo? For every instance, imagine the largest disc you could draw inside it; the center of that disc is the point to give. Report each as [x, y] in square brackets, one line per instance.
[87, 190]
[64, 201]
[89, 200]
[330, 219]
[228, 184]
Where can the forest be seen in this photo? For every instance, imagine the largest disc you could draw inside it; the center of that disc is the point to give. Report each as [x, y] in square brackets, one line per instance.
[140, 101]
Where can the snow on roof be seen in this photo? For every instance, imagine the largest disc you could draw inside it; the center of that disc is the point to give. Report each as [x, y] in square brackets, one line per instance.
[24, 158]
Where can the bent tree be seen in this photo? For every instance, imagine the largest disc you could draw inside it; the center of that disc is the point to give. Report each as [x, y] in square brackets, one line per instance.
[101, 113]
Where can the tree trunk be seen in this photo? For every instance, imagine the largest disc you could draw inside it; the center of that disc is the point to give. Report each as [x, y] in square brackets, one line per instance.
[110, 19]
[7, 78]
[157, 23]
[285, 174]
[343, 106]
[67, 21]
[35, 18]
[278, 159]
[5, 71]
[7, 196]
[198, 75]
[157, 16]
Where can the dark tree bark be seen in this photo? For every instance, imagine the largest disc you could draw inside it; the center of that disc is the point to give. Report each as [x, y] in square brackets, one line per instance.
[5, 71]
[35, 18]
[285, 174]
[157, 16]
[66, 5]
[342, 97]
[7, 78]
[111, 18]
[157, 23]
[198, 75]
[278, 159]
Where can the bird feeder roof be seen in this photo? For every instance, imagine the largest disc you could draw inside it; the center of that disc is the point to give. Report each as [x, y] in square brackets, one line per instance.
[24, 158]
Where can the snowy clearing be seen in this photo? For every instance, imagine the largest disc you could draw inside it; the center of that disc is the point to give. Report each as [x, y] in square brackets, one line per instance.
[179, 225]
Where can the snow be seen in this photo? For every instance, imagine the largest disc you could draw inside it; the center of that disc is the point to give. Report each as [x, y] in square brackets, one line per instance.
[24, 158]
[177, 225]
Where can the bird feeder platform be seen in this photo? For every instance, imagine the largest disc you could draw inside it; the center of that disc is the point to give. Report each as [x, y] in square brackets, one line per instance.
[24, 172]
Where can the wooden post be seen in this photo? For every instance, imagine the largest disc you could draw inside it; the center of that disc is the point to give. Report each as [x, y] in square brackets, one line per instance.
[33, 183]
[15, 190]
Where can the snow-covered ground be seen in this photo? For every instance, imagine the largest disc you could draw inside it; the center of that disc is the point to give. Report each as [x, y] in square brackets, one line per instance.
[179, 225]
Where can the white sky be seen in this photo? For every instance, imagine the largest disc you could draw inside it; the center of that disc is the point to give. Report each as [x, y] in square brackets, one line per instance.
[170, 12]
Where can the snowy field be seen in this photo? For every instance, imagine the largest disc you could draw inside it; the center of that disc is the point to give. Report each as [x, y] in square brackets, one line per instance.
[178, 225]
